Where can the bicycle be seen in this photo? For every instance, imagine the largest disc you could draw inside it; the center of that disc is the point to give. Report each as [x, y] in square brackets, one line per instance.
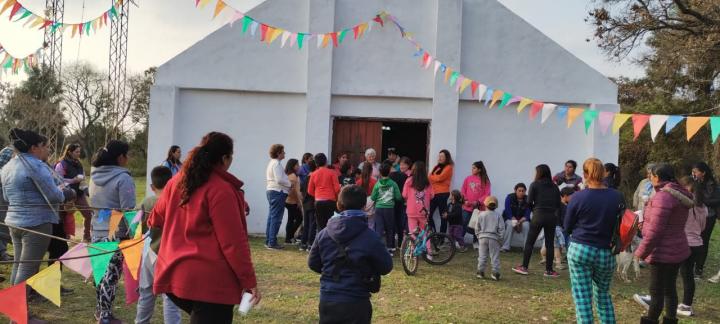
[415, 245]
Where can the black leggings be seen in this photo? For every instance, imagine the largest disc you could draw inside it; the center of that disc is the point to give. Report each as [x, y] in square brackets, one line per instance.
[202, 312]
[439, 202]
[706, 234]
[663, 291]
[687, 271]
[57, 248]
[541, 221]
[295, 219]
[323, 211]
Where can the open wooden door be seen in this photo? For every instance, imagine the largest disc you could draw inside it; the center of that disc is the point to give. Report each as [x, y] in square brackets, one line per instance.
[354, 137]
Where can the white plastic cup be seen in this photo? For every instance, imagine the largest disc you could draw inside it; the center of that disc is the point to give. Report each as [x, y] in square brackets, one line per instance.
[245, 304]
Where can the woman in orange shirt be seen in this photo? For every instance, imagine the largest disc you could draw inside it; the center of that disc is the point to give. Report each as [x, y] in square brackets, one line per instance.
[440, 179]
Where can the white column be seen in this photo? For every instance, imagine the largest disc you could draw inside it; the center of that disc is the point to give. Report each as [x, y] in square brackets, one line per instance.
[161, 134]
[443, 128]
[319, 79]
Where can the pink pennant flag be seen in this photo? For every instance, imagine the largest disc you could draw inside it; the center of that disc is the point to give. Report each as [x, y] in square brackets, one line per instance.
[604, 120]
[437, 66]
[237, 16]
[535, 109]
[82, 266]
[293, 39]
[459, 82]
[284, 39]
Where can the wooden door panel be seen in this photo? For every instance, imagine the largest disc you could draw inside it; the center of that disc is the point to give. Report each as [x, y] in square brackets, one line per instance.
[354, 137]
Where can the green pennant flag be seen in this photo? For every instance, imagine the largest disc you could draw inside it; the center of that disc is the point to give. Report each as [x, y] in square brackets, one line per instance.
[300, 37]
[8, 64]
[715, 128]
[87, 28]
[54, 27]
[129, 217]
[100, 261]
[590, 116]
[505, 99]
[113, 12]
[25, 14]
[454, 77]
[342, 36]
[246, 22]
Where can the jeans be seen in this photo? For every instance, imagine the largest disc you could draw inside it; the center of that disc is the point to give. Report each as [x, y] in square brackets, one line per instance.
[28, 246]
[276, 200]
[439, 202]
[309, 228]
[346, 313]
[663, 291]
[687, 270]
[295, 219]
[385, 225]
[202, 312]
[706, 234]
[541, 221]
[5, 238]
[324, 209]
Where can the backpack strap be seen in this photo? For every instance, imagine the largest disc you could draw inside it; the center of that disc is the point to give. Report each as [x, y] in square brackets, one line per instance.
[341, 260]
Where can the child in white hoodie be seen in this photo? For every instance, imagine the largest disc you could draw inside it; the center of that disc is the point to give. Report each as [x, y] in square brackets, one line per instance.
[490, 229]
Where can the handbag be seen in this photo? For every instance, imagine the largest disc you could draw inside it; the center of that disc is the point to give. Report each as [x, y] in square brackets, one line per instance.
[474, 219]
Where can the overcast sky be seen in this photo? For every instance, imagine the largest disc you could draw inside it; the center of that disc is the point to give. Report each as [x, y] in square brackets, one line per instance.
[160, 29]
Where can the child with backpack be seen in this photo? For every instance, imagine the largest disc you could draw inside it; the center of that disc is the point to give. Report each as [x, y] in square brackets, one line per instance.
[489, 229]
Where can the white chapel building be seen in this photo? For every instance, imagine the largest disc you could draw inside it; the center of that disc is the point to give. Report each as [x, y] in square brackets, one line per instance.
[372, 92]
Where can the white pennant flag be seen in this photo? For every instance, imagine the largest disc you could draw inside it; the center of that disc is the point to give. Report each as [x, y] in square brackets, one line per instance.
[285, 36]
[238, 15]
[320, 40]
[481, 92]
[656, 123]
[437, 66]
[293, 39]
[547, 110]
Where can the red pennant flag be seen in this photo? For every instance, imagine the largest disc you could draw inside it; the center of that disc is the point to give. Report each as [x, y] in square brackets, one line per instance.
[474, 87]
[356, 30]
[334, 37]
[535, 109]
[46, 24]
[425, 57]
[13, 303]
[197, 2]
[16, 7]
[105, 17]
[639, 121]
[263, 32]
[379, 21]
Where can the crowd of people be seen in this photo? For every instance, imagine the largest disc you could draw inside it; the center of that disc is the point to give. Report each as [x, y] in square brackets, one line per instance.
[351, 219]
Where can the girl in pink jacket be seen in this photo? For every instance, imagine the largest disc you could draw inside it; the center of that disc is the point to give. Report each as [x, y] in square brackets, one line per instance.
[693, 227]
[474, 190]
[417, 192]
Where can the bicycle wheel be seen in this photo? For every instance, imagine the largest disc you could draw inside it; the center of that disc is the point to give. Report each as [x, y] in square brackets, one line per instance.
[441, 249]
[409, 260]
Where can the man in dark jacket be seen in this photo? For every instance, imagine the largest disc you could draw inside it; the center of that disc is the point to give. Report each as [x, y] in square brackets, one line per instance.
[344, 290]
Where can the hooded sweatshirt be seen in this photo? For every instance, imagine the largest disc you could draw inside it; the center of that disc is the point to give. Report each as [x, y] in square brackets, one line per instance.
[418, 202]
[366, 251]
[664, 223]
[474, 192]
[385, 193]
[112, 187]
[490, 225]
[696, 224]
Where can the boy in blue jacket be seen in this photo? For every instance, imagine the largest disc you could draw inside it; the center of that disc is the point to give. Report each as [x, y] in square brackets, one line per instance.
[345, 277]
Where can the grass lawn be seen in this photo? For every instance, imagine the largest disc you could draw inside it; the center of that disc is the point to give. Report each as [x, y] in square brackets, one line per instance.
[437, 294]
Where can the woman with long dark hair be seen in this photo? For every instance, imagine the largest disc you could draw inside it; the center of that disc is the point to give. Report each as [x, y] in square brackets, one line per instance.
[708, 191]
[112, 187]
[664, 246]
[611, 176]
[324, 186]
[172, 161]
[204, 264]
[544, 199]
[293, 203]
[418, 193]
[440, 178]
[475, 189]
[71, 169]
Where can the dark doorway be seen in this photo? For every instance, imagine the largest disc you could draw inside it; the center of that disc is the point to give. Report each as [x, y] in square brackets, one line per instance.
[407, 138]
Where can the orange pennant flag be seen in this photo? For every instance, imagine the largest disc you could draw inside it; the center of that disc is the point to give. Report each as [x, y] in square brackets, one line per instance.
[448, 72]
[132, 251]
[115, 218]
[274, 35]
[219, 7]
[268, 32]
[325, 40]
[7, 6]
[13, 303]
[639, 121]
[465, 83]
[361, 30]
[573, 113]
[694, 124]
[497, 94]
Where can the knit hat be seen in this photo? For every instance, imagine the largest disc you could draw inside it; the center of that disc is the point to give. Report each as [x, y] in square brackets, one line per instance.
[490, 200]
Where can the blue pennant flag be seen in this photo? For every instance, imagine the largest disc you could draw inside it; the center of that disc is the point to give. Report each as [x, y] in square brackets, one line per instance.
[671, 122]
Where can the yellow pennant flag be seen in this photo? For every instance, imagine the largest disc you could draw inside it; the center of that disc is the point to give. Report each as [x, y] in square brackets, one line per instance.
[361, 29]
[115, 218]
[38, 21]
[497, 94]
[325, 40]
[219, 8]
[694, 124]
[573, 113]
[465, 83]
[132, 251]
[619, 120]
[203, 3]
[74, 30]
[523, 103]
[47, 283]
[274, 35]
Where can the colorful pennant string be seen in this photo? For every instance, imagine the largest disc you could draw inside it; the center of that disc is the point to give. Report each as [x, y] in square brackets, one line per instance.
[32, 19]
[14, 64]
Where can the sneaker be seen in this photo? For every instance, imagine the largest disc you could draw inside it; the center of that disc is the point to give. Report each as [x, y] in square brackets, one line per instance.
[302, 247]
[495, 276]
[480, 275]
[504, 250]
[715, 279]
[429, 256]
[462, 249]
[551, 274]
[520, 270]
[390, 251]
[274, 247]
[698, 272]
[643, 300]
[542, 262]
[685, 310]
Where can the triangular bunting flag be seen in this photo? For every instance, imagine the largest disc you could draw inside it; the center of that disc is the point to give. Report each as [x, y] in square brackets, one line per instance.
[13, 303]
[535, 109]
[81, 265]
[263, 32]
[115, 218]
[132, 250]
[334, 38]
[204, 3]
[437, 66]
[656, 123]
[131, 286]
[619, 120]
[284, 38]
[714, 128]
[497, 95]
[47, 283]
[218, 8]
[481, 92]
[459, 82]
[237, 16]
[694, 124]
[489, 93]
[573, 113]
[561, 112]
[672, 122]
[300, 37]
[590, 116]
[523, 103]
[276, 32]
[99, 258]
[505, 100]
[453, 78]
[246, 23]
[464, 84]
[253, 27]
[473, 88]
[15, 9]
[639, 121]
[7, 6]
[341, 36]
[547, 110]
[604, 120]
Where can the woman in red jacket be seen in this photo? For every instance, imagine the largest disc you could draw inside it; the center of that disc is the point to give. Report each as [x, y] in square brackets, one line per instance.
[204, 263]
[664, 245]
